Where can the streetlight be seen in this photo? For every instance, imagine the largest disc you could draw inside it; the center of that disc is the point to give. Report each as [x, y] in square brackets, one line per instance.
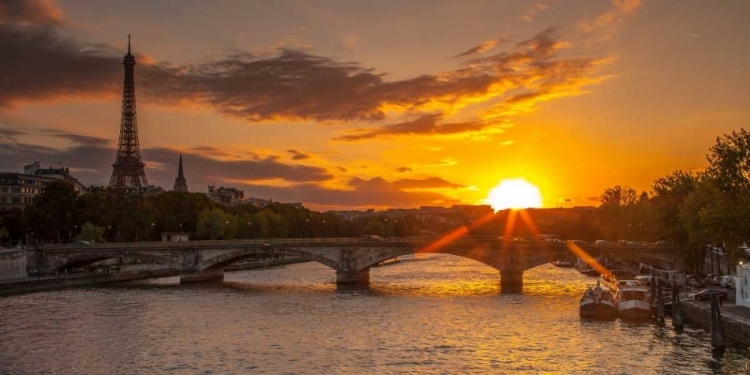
[629, 231]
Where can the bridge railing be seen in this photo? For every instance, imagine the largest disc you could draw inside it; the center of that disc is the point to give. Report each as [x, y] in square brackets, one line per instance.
[363, 241]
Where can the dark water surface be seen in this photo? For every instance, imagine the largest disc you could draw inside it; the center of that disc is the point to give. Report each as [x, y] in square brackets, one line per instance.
[436, 315]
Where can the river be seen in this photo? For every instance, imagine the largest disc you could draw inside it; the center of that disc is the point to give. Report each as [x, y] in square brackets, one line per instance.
[437, 314]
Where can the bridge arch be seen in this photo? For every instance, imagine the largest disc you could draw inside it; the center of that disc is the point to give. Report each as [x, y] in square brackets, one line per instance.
[397, 252]
[220, 261]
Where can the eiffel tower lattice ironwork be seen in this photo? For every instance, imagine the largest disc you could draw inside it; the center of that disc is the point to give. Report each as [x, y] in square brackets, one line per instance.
[128, 167]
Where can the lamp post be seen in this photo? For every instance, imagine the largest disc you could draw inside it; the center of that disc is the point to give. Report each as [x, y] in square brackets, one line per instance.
[640, 231]
[551, 228]
[629, 233]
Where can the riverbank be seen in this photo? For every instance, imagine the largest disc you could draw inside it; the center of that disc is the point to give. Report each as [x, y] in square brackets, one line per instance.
[32, 285]
[736, 319]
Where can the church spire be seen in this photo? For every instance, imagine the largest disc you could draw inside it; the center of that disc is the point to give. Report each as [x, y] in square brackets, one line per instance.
[180, 184]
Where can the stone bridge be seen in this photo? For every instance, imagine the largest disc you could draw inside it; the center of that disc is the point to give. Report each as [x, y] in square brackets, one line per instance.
[351, 258]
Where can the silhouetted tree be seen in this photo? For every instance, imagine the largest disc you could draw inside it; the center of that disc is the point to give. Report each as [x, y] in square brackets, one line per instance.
[51, 214]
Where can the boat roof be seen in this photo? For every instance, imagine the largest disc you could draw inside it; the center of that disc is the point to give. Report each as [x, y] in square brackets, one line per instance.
[634, 289]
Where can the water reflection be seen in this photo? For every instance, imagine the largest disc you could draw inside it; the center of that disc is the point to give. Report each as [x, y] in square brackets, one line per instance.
[442, 314]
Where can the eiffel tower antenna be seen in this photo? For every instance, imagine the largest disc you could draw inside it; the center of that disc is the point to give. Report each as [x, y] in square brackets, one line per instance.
[127, 171]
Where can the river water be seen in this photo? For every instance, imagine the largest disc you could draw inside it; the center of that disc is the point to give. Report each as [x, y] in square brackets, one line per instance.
[437, 314]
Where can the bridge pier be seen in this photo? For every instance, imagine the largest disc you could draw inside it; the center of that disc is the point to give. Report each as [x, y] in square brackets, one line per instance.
[353, 277]
[205, 275]
[511, 281]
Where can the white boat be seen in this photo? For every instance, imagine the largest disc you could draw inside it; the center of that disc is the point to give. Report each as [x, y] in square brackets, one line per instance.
[633, 301]
[597, 303]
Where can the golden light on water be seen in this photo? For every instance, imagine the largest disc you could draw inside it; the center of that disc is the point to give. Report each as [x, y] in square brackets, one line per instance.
[515, 194]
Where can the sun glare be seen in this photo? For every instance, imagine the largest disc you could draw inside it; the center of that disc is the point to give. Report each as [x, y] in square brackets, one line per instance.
[515, 193]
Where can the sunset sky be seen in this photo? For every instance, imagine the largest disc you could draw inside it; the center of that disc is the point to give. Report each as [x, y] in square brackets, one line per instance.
[376, 104]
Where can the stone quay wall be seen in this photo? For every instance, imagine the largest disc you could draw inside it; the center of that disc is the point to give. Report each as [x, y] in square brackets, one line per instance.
[12, 264]
[33, 285]
[736, 327]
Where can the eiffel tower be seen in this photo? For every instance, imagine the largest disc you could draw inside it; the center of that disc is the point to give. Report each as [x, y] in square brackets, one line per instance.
[128, 167]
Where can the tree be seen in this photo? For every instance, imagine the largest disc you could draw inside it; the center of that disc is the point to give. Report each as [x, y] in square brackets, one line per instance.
[729, 162]
[729, 171]
[91, 233]
[52, 212]
[277, 225]
[669, 193]
[213, 224]
[179, 211]
[375, 227]
[619, 196]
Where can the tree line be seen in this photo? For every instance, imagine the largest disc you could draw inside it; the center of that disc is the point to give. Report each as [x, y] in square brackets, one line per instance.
[59, 214]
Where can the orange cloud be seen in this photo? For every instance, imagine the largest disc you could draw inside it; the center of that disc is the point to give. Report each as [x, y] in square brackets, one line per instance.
[612, 18]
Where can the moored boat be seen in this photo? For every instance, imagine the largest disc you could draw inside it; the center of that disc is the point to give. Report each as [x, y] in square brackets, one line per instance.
[585, 268]
[633, 301]
[597, 303]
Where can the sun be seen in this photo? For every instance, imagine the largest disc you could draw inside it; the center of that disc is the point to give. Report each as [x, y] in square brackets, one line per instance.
[514, 193]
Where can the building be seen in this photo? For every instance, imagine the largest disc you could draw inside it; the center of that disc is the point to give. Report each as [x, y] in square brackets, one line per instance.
[180, 184]
[17, 190]
[226, 196]
[435, 214]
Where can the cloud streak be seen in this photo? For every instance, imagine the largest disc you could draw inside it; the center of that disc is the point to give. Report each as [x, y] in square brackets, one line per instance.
[424, 125]
[482, 48]
[612, 18]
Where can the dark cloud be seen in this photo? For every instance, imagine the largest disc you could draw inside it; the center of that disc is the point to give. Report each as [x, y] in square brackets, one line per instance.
[213, 151]
[296, 155]
[342, 169]
[90, 162]
[426, 183]
[594, 199]
[10, 134]
[34, 12]
[404, 169]
[424, 125]
[240, 170]
[78, 138]
[289, 85]
[45, 66]
[565, 200]
[368, 195]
